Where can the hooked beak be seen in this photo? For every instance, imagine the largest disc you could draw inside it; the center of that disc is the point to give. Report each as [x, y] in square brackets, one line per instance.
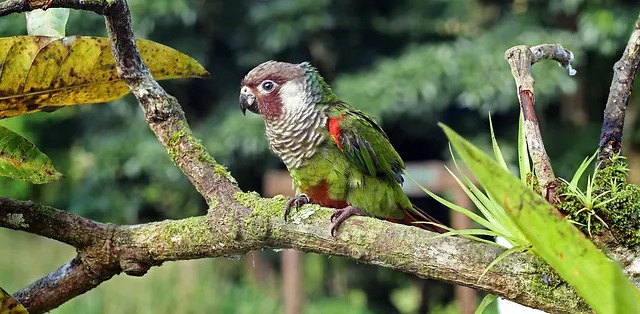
[248, 100]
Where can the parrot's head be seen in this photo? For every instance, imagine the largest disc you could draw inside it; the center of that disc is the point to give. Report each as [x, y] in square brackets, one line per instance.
[276, 90]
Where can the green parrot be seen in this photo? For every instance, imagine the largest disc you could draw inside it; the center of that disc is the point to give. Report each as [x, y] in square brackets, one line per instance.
[337, 155]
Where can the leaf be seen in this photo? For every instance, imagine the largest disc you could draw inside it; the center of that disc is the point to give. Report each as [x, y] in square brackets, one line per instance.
[44, 73]
[51, 22]
[503, 255]
[523, 153]
[488, 299]
[496, 148]
[583, 166]
[596, 278]
[20, 159]
[9, 305]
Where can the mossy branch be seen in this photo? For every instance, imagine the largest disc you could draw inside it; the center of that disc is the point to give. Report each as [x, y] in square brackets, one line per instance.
[133, 249]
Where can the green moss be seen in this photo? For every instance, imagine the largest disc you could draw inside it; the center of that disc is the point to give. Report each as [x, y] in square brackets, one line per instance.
[172, 144]
[548, 279]
[617, 203]
[613, 174]
[264, 209]
[545, 283]
[262, 206]
[196, 147]
[172, 232]
[532, 181]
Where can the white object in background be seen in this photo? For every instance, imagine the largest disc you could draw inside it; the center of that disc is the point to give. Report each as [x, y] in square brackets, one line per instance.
[508, 307]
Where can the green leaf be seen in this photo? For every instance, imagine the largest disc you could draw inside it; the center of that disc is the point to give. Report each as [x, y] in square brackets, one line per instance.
[9, 305]
[42, 73]
[486, 301]
[20, 159]
[51, 22]
[583, 166]
[496, 148]
[503, 255]
[523, 152]
[596, 278]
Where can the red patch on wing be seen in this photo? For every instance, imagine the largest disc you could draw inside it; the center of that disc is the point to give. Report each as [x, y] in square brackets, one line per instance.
[319, 194]
[334, 130]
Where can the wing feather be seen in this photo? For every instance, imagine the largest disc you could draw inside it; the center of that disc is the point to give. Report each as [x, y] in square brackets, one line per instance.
[365, 144]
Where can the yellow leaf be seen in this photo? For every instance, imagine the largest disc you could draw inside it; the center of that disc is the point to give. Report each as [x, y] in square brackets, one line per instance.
[40, 73]
[9, 305]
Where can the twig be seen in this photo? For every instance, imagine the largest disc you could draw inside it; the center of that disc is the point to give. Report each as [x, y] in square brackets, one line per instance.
[521, 58]
[624, 74]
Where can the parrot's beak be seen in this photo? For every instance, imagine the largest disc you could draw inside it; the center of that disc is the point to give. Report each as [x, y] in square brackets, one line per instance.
[248, 100]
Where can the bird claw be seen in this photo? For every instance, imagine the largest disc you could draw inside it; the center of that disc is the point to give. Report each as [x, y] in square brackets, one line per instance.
[340, 215]
[296, 201]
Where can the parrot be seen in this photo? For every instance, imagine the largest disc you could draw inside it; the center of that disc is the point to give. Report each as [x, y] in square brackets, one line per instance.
[337, 155]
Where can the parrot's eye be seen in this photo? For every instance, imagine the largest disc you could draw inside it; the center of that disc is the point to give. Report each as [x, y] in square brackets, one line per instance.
[268, 86]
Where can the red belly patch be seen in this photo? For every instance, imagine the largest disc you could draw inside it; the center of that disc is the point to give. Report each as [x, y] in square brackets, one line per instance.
[319, 194]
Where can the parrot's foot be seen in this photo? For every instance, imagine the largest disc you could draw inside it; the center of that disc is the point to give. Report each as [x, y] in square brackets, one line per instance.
[340, 215]
[296, 201]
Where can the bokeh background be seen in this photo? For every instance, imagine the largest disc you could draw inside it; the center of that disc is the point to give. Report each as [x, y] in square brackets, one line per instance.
[410, 63]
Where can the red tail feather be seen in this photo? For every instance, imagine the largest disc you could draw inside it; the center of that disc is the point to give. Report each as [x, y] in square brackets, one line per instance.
[417, 217]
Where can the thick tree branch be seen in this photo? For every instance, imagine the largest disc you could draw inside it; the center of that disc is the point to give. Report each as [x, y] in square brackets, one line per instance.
[132, 249]
[624, 74]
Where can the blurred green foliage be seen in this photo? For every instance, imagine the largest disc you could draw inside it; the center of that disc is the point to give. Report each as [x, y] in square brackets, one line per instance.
[410, 63]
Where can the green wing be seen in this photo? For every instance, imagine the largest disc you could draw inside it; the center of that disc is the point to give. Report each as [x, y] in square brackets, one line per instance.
[364, 143]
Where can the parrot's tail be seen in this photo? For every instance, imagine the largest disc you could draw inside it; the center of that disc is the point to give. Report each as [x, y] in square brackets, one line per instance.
[418, 218]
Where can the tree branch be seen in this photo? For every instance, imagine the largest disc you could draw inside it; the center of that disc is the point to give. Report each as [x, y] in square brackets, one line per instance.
[624, 74]
[49, 222]
[520, 59]
[163, 112]
[133, 249]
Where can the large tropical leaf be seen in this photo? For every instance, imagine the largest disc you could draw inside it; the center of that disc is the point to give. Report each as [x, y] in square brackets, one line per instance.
[42, 73]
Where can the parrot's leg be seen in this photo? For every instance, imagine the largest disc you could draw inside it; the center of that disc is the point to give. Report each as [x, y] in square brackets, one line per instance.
[296, 201]
[340, 215]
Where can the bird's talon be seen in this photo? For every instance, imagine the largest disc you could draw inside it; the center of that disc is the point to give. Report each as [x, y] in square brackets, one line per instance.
[334, 228]
[340, 215]
[296, 201]
[334, 215]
